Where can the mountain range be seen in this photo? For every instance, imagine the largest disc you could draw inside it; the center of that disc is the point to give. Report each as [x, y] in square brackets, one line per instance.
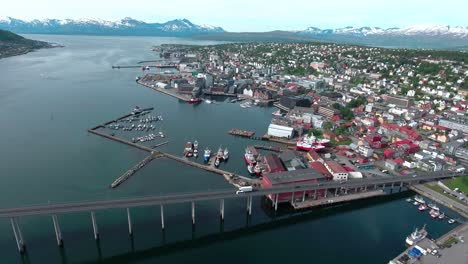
[435, 36]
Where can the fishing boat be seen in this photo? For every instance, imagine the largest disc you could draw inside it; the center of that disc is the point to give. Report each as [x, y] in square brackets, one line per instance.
[251, 169]
[416, 236]
[434, 213]
[207, 155]
[225, 154]
[195, 100]
[422, 207]
[277, 113]
[208, 101]
[136, 110]
[195, 144]
[249, 156]
[419, 199]
[188, 150]
[258, 169]
[441, 216]
[433, 206]
[195, 153]
[451, 221]
[217, 162]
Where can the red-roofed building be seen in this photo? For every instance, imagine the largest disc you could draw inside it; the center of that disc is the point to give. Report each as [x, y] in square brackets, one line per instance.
[273, 163]
[314, 156]
[339, 173]
[318, 166]
[389, 153]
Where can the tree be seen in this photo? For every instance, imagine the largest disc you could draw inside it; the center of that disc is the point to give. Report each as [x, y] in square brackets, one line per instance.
[327, 126]
[341, 130]
[315, 132]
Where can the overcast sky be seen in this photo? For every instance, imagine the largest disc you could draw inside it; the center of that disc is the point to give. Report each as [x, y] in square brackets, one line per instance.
[252, 15]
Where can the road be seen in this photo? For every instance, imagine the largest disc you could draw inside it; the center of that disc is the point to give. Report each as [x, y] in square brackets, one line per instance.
[212, 195]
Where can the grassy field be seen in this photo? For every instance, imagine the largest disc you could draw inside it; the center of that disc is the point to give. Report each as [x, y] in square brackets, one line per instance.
[460, 183]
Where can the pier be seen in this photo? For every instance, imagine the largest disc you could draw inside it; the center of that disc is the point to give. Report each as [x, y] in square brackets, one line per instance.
[140, 66]
[269, 148]
[133, 170]
[241, 133]
[170, 92]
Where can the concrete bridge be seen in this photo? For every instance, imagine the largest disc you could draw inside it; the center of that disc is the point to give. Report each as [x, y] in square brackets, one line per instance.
[363, 185]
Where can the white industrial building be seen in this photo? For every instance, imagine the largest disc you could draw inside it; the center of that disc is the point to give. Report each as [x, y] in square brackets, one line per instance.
[280, 131]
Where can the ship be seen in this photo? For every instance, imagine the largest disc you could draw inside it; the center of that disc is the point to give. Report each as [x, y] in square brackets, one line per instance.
[188, 150]
[422, 207]
[249, 157]
[308, 143]
[451, 221]
[220, 153]
[277, 113]
[258, 170]
[208, 101]
[207, 155]
[251, 169]
[434, 213]
[419, 199]
[441, 216]
[416, 236]
[217, 162]
[433, 206]
[226, 154]
[195, 153]
[136, 110]
[195, 100]
[195, 144]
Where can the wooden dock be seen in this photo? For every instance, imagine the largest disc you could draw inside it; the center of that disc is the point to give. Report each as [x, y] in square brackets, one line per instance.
[269, 148]
[133, 170]
[126, 142]
[219, 94]
[169, 92]
[337, 199]
[241, 133]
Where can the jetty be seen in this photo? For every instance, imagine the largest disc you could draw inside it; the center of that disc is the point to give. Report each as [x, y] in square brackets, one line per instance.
[170, 92]
[133, 170]
[241, 133]
[269, 148]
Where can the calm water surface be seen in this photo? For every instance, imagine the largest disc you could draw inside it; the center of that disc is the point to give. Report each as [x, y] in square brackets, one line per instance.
[49, 98]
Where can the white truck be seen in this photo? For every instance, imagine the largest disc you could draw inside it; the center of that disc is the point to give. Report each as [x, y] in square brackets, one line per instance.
[244, 189]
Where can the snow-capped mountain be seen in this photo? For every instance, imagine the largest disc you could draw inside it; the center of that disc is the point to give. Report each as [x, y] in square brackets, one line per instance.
[93, 26]
[419, 30]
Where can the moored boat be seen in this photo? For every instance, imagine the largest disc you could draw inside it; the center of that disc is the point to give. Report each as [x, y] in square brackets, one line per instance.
[251, 169]
[207, 155]
[409, 200]
[433, 206]
[195, 144]
[419, 199]
[451, 221]
[416, 236]
[195, 153]
[188, 150]
[217, 162]
[434, 213]
[422, 207]
[249, 156]
[195, 100]
[258, 169]
[441, 216]
[136, 110]
[226, 154]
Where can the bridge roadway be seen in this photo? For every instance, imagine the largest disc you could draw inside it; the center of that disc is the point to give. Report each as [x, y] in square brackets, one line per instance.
[51, 209]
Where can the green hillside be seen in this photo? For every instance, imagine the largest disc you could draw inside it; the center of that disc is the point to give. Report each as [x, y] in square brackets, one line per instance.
[12, 44]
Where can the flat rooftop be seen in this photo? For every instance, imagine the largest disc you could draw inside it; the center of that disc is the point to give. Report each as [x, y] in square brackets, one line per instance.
[294, 176]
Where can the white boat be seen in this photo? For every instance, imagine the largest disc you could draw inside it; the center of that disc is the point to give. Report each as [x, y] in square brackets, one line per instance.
[433, 206]
[415, 203]
[195, 153]
[277, 113]
[441, 216]
[409, 200]
[217, 162]
[226, 154]
[416, 236]
[311, 143]
[451, 221]
[251, 169]
[419, 199]
[208, 101]
[434, 213]
[195, 144]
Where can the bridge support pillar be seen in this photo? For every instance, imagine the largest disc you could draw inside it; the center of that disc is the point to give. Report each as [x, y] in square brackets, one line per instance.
[383, 187]
[95, 227]
[355, 190]
[326, 191]
[336, 191]
[292, 198]
[303, 196]
[249, 205]
[365, 187]
[58, 233]
[315, 194]
[276, 202]
[393, 184]
[18, 235]
[162, 217]
[221, 209]
[375, 186]
[129, 218]
[193, 213]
